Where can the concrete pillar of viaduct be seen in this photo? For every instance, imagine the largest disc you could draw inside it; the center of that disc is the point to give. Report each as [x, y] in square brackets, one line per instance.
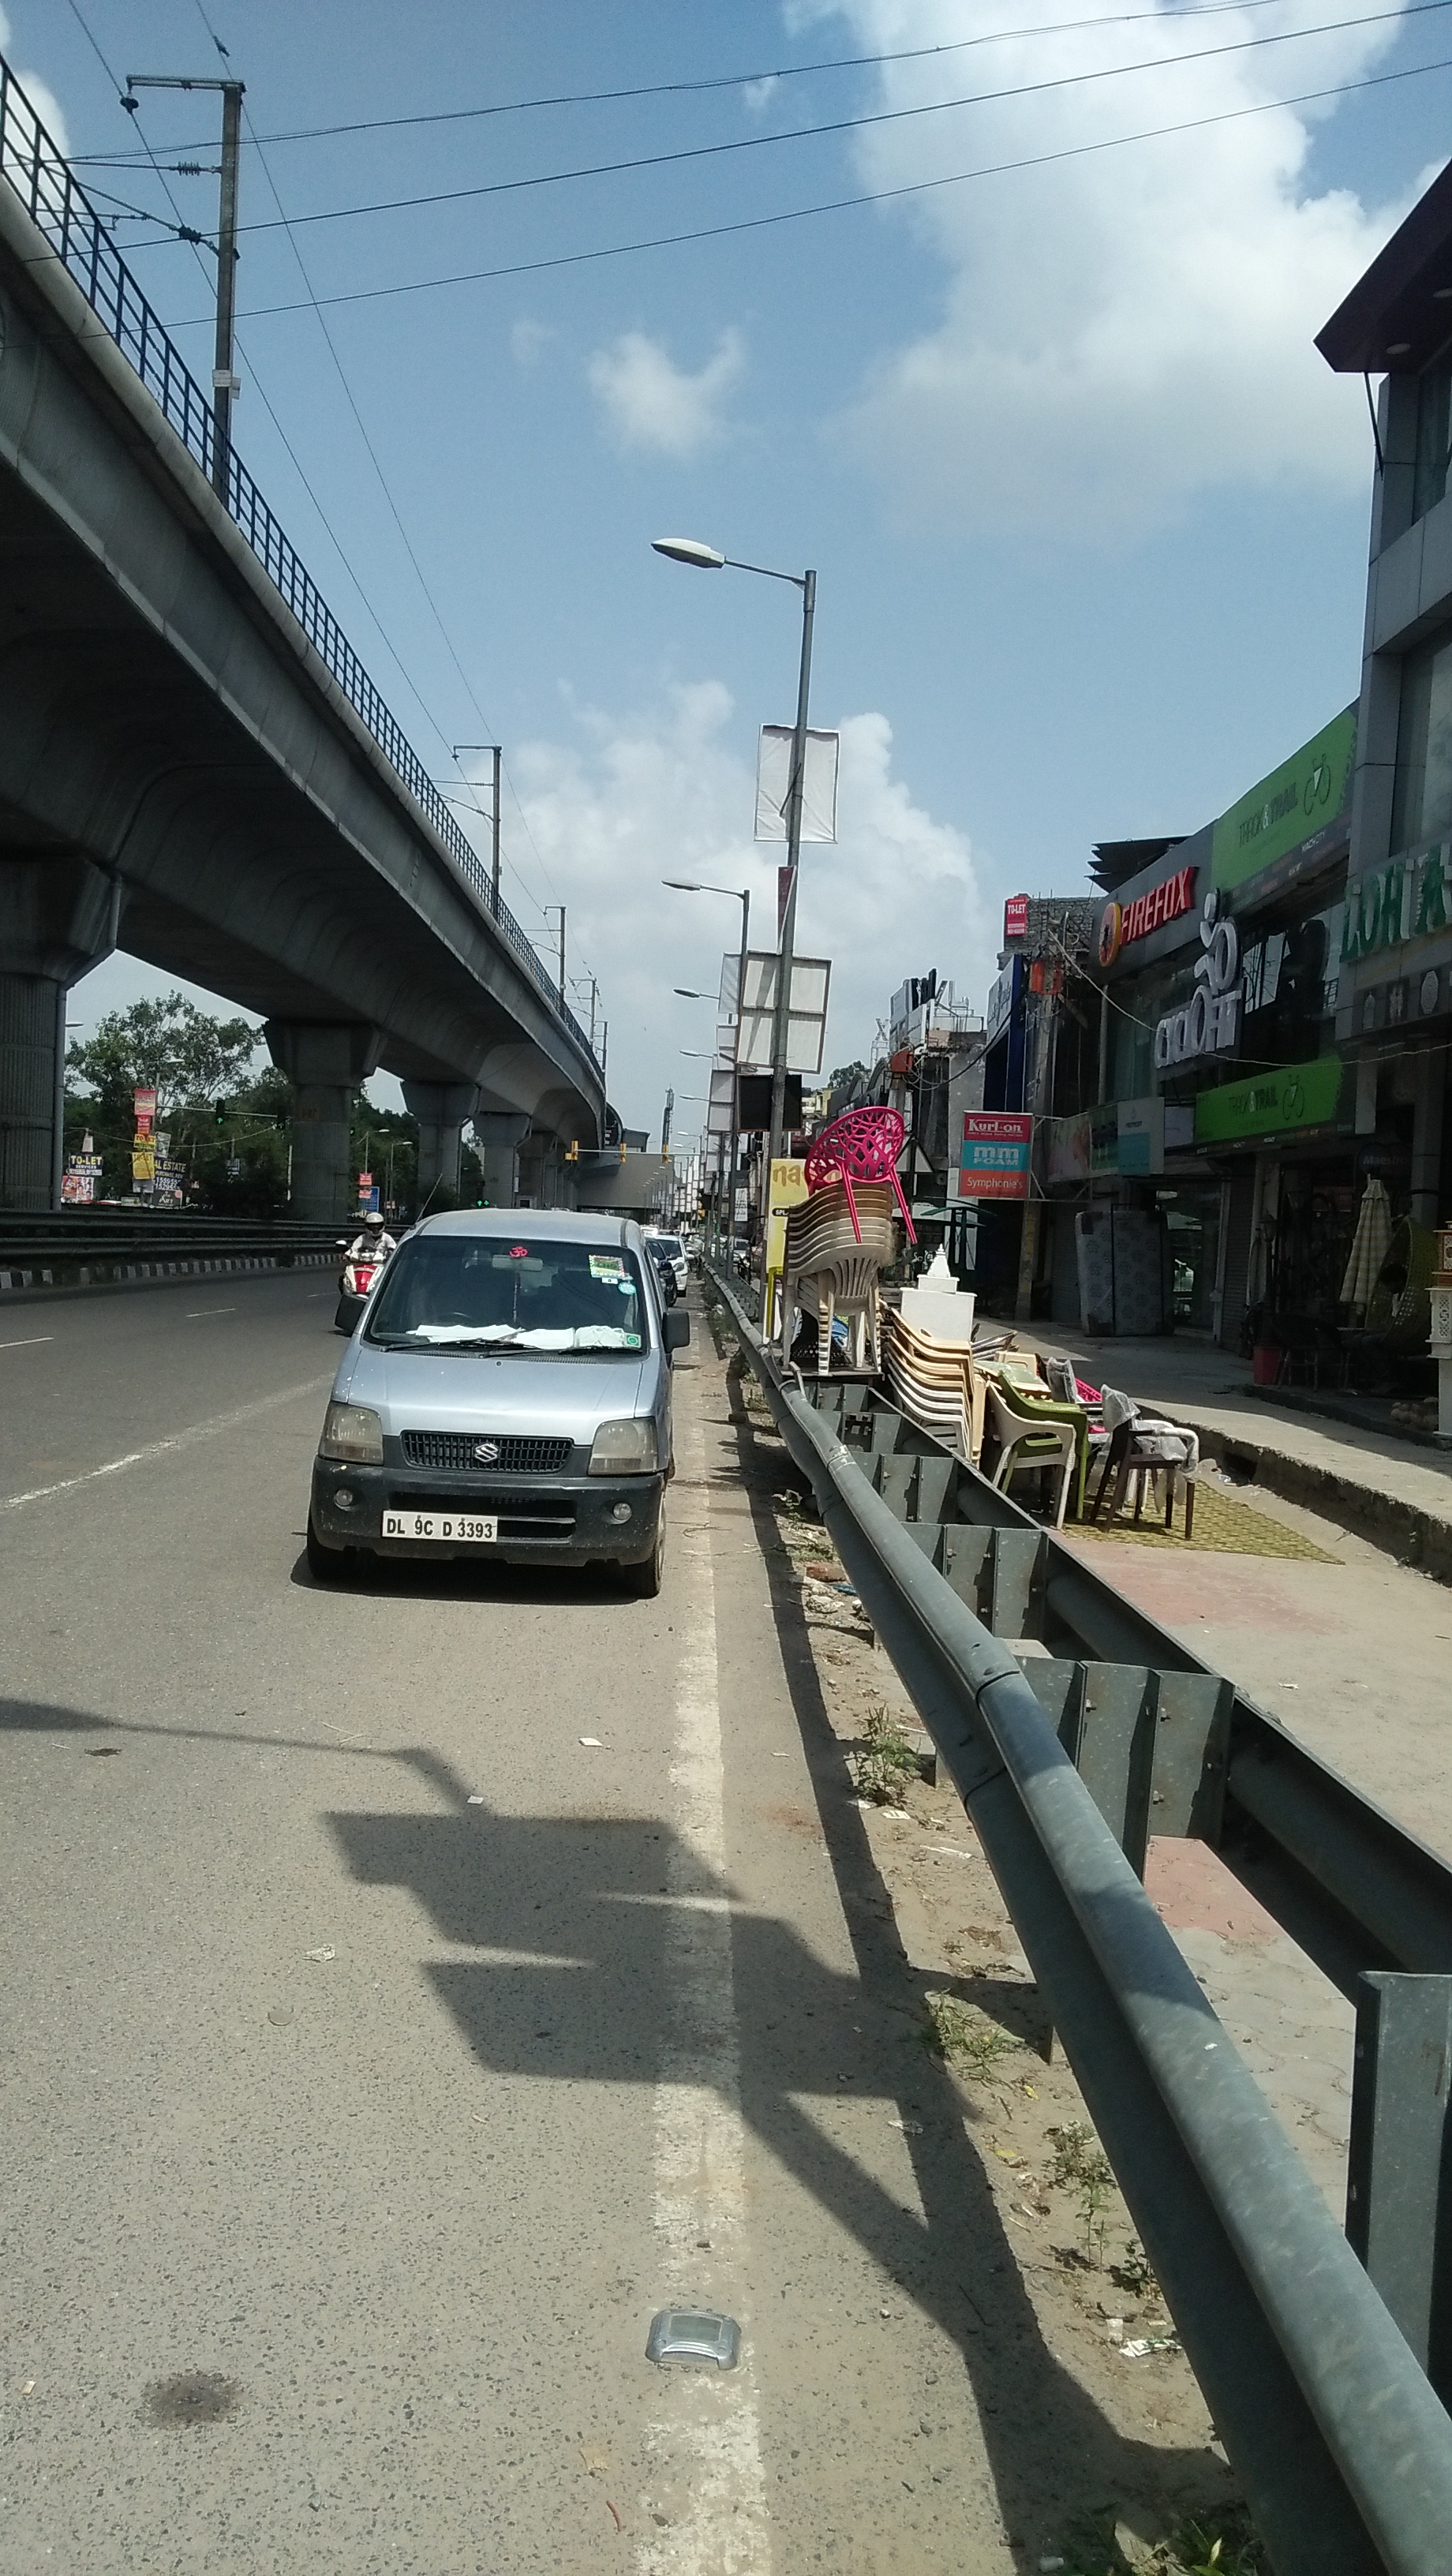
[497, 1134]
[442, 1109]
[325, 1062]
[58, 915]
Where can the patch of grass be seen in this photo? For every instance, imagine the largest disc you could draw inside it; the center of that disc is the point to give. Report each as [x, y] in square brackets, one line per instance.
[882, 1767]
[1134, 2271]
[965, 2038]
[1212, 2544]
[1081, 2165]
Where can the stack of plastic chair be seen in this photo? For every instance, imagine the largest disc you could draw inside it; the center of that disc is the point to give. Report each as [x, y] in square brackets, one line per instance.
[934, 1382]
[862, 1145]
[836, 1251]
[1144, 1446]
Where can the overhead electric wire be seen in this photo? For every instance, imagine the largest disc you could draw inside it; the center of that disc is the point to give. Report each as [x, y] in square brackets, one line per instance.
[336, 542]
[841, 205]
[846, 124]
[394, 511]
[739, 80]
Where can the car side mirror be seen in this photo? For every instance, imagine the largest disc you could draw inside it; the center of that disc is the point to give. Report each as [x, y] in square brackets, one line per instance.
[677, 1332]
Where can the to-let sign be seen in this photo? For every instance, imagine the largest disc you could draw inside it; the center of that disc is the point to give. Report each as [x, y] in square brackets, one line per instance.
[1015, 917]
[994, 1161]
[1120, 923]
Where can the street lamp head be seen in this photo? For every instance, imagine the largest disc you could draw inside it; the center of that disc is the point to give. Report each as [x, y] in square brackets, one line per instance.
[689, 550]
[682, 885]
[687, 995]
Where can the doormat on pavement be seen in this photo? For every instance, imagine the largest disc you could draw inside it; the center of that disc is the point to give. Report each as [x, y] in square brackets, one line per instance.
[1224, 1526]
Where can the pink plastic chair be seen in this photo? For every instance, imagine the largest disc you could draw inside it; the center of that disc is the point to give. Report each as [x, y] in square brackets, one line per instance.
[862, 1145]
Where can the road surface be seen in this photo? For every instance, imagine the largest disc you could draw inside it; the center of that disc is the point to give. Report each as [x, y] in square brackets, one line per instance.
[381, 2054]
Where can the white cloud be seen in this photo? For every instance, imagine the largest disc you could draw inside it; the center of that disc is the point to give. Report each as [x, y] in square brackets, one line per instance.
[628, 801]
[757, 95]
[651, 403]
[1122, 329]
[41, 96]
[528, 340]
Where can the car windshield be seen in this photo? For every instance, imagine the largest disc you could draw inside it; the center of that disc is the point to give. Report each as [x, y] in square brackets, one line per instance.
[495, 1292]
[666, 1246]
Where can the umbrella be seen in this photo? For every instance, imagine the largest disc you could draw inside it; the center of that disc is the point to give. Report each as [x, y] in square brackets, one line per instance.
[1369, 1247]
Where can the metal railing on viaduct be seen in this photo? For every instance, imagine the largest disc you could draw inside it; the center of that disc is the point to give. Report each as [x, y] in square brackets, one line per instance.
[58, 206]
[1325, 2357]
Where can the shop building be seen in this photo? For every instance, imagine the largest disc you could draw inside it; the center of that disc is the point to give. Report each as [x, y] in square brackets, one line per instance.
[1221, 1147]
[1394, 1004]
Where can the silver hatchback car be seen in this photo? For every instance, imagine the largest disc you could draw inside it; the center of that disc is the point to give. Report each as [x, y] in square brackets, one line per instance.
[506, 1393]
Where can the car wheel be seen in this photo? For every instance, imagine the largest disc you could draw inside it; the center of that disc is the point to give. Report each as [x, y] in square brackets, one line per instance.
[643, 1581]
[326, 1564]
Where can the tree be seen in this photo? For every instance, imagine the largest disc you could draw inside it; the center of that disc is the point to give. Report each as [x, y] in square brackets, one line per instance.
[169, 1047]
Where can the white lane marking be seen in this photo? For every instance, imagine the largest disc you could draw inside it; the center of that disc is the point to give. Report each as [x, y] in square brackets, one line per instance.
[195, 1313]
[163, 1448]
[32, 1342]
[704, 2447]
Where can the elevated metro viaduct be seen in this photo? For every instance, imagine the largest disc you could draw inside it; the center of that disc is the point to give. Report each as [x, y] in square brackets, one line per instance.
[183, 775]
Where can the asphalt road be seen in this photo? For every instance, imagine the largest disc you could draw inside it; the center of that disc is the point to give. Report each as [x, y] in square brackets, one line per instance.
[380, 2055]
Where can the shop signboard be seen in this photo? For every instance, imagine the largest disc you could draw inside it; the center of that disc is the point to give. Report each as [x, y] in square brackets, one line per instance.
[1001, 995]
[1277, 1103]
[1407, 900]
[1141, 1135]
[1210, 1021]
[1296, 803]
[1015, 918]
[143, 1100]
[1167, 900]
[993, 1160]
[1083, 1146]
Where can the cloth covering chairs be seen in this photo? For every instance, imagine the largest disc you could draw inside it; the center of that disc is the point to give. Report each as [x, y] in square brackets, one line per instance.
[1143, 1446]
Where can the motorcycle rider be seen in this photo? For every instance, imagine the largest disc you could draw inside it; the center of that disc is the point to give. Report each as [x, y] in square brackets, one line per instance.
[373, 1242]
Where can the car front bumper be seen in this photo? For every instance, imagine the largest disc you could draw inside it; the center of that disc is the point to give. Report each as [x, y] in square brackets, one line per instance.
[554, 1520]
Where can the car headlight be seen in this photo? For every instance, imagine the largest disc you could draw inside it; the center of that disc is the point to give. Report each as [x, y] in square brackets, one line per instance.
[626, 1448]
[353, 1432]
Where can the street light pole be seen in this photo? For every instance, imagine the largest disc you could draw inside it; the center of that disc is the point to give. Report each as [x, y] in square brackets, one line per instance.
[704, 558]
[742, 894]
[782, 1030]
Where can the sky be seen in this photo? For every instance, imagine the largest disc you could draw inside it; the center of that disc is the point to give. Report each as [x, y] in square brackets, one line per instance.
[1087, 510]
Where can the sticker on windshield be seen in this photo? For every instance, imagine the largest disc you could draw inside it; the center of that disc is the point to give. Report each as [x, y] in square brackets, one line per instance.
[626, 1286]
[632, 1341]
[606, 1265]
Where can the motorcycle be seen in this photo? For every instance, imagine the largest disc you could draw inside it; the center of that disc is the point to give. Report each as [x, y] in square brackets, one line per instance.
[355, 1281]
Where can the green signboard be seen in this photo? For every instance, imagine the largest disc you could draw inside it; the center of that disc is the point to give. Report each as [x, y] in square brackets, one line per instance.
[1271, 1104]
[1297, 800]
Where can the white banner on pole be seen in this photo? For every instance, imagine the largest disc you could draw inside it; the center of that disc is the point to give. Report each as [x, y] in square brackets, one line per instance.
[773, 785]
[806, 1017]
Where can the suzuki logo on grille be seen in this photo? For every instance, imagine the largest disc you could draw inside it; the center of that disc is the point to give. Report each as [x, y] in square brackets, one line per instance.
[487, 1452]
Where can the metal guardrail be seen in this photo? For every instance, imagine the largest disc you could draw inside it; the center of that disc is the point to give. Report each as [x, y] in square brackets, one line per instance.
[92, 1247]
[63, 214]
[1343, 2448]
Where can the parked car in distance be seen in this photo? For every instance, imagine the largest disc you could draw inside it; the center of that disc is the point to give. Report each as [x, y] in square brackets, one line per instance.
[506, 1394]
[669, 1247]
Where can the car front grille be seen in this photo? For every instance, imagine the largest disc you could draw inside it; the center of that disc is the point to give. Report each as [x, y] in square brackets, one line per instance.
[456, 1453]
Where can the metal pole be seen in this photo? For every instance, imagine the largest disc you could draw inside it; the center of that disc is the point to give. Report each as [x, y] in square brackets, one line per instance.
[794, 844]
[736, 1069]
[498, 757]
[223, 378]
[562, 957]
[594, 997]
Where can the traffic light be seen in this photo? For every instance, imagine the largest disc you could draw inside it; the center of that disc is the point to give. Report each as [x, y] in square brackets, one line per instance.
[219, 1114]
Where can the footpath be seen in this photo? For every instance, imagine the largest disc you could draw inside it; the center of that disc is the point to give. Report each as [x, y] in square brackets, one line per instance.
[1393, 1490]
